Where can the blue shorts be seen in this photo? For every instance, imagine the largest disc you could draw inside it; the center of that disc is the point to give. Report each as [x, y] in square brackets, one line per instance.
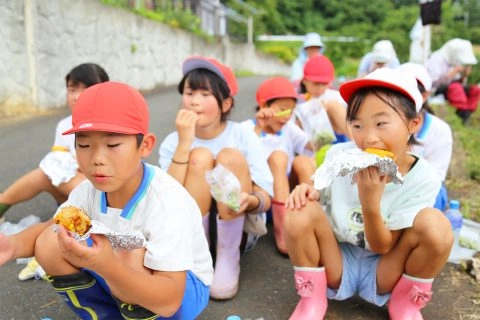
[194, 301]
[359, 276]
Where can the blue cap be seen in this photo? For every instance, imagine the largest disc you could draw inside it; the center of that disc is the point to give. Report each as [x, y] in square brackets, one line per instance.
[454, 204]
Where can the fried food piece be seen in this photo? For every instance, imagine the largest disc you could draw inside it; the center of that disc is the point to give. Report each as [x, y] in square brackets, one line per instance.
[74, 219]
[380, 152]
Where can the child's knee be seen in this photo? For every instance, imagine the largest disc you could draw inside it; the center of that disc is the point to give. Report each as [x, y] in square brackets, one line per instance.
[299, 222]
[433, 230]
[278, 160]
[231, 157]
[201, 158]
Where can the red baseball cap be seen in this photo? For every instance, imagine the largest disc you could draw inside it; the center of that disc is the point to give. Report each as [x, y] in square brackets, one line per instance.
[319, 69]
[394, 79]
[274, 88]
[111, 107]
[221, 70]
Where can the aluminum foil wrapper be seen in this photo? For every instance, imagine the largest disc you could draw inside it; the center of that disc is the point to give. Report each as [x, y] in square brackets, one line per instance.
[118, 241]
[59, 166]
[350, 161]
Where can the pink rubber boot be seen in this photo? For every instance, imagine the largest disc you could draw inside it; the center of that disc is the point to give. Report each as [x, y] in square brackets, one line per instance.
[227, 265]
[206, 226]
[311, 284]
[408, 297]
[278, 215]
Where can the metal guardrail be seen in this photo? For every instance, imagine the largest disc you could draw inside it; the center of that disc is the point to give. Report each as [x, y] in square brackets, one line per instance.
[300, 38]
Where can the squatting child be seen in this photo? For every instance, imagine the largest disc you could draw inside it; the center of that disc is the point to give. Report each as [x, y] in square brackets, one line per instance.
[167, 278]
[376, 239]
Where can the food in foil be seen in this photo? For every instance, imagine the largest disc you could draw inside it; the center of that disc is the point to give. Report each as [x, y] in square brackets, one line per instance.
[349, 161]
[73, 219]
[81, 227]
[119, 241]
[224, 186]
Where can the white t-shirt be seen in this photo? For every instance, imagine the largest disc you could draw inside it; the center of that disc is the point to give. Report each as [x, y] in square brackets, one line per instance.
[164, 212]
[68, 140]
[436, 141]
[235, 136]
[313, 117]
[290, 139]
[399, 204]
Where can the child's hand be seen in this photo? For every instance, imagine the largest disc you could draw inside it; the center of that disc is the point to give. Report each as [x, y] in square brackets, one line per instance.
[264, 116]
[98, 257]
[185, 123]
[370, 186]
[6, 249]
[299, 196]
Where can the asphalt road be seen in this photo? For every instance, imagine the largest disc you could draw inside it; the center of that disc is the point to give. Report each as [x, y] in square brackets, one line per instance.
[266, 282]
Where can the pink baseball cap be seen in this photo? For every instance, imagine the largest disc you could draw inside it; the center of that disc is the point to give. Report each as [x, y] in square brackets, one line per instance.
[221, 70]
[394, 79]
[274, 88]
[319, 69]
[110, 107]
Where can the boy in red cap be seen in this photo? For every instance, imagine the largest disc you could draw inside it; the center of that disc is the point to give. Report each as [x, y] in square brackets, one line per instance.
[204, 139]
[168, 277]
[288, 148]
[372, 238]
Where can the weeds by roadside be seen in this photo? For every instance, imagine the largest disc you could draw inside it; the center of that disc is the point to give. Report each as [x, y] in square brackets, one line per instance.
[463, 179]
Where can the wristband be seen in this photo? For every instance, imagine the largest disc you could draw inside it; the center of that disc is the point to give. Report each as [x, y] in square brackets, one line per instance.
[260, 208]
[178, 162]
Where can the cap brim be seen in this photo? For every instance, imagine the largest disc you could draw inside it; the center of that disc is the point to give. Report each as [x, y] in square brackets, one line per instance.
[199, 63]
[103, 127]
[349, 88]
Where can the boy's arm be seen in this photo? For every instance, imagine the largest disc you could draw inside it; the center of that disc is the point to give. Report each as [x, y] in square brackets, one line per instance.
[21, 245]
[127, 278]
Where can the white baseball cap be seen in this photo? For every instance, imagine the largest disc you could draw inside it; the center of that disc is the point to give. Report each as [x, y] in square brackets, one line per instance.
[394, 79]
[383, 51]
[419, 72]
[313, 39]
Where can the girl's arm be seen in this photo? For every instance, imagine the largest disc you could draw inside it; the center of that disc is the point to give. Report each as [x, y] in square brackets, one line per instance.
[185, 124]
[337, 114]
[371, 186]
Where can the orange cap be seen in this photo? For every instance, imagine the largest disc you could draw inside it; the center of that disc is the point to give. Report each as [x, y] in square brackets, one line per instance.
[273, 88]
[110, 107]
[221, 70]
[319, 69]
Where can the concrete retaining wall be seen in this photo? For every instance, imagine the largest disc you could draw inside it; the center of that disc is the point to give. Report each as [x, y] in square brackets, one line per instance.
[43, 40]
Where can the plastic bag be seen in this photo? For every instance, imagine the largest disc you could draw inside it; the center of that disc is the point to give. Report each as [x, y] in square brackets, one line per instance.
[9, 228]
[224, 186]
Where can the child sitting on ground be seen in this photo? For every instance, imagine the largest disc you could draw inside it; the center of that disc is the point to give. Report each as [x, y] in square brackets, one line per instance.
[288, 148]
[166, 278]
[204, 139]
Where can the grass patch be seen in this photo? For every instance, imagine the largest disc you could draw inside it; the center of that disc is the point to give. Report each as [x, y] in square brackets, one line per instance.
[463, 180]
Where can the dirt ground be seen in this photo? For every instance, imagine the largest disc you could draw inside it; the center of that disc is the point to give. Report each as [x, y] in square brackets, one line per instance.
[458, 289]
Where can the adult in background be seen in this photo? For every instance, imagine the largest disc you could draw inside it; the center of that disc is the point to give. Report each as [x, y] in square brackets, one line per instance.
[449, 68]
[382, 55]
[312, 46]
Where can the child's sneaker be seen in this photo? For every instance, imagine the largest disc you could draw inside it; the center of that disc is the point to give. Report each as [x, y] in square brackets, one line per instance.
[32, 270]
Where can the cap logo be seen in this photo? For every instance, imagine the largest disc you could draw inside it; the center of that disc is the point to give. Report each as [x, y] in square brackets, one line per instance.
[86, 125]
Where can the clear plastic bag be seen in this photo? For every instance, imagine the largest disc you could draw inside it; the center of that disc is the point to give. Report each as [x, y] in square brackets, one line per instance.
[224, 186]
